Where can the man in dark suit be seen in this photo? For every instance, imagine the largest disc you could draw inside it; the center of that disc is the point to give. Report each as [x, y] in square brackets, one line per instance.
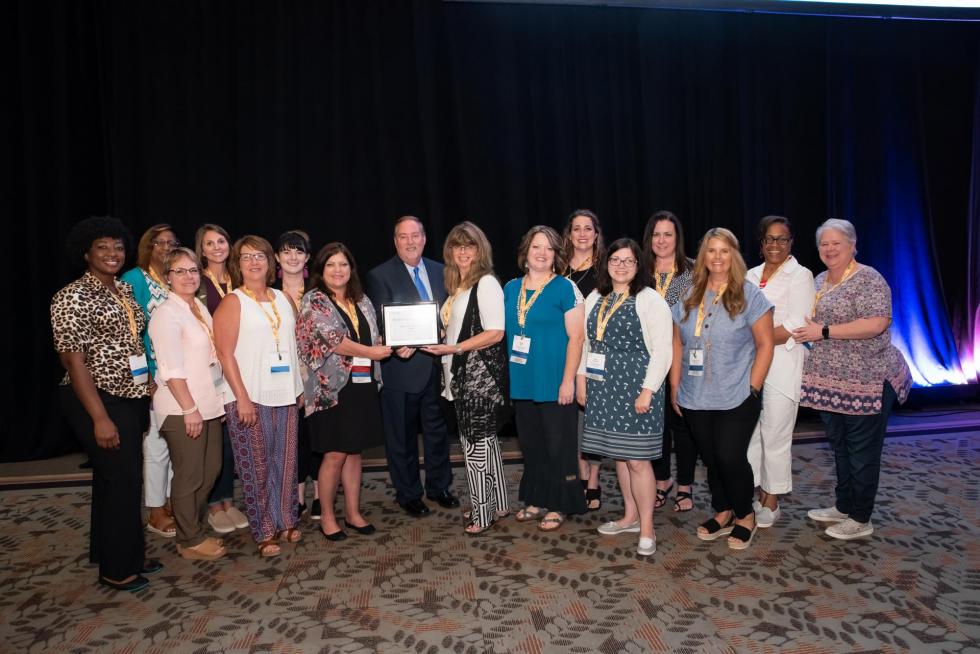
[411, 388]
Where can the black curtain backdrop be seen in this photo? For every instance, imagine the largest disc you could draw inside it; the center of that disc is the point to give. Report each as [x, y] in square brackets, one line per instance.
[337, 117]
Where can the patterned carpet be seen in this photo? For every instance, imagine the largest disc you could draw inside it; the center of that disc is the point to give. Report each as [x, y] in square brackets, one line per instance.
[423, 586]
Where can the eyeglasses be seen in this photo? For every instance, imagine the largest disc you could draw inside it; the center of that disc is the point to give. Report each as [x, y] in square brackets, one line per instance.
[462, 247]
[257, 256]
[629, 262]
[180, 272]
[782, 240]
[160, 241]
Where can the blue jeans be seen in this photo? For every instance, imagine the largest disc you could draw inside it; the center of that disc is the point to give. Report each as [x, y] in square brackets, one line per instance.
[857, 443]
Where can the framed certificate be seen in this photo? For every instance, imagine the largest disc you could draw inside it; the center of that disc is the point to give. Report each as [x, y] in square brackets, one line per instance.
[410, 324]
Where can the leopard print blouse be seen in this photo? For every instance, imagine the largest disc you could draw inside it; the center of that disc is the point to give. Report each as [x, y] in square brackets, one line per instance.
[85, 318]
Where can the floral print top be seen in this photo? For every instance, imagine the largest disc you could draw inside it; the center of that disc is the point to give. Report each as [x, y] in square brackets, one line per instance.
[320, 328]
[848, 376]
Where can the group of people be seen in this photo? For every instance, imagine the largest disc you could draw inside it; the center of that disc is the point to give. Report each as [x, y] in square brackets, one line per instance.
[240, 357]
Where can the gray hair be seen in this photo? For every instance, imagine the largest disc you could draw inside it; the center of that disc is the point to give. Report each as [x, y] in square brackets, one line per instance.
[845, 227]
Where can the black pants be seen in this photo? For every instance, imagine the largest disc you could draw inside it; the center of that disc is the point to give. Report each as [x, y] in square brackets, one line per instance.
[548, 434]
[683, 446]
[722, 438]
[224, 487]
[857, 443]
[116, 532]
[402, 412]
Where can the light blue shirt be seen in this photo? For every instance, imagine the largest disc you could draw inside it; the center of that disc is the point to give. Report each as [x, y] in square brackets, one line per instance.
[729, 350]
[423, 275]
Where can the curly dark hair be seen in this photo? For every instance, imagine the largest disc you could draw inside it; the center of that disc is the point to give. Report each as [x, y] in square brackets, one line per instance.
[87, 231]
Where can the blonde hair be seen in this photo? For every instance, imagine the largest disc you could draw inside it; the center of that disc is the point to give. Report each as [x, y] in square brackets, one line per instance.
[734, 297]
[466, 233]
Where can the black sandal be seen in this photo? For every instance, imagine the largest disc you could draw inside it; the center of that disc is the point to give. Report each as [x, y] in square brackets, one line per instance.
[715, 530]
[679, 497]
[743, 537]
[662, 494]
[593, 495]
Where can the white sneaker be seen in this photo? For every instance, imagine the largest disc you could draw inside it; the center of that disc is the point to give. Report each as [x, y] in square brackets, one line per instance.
[613, 528]
[647, 546]
[221, 522]
[237, 518]
[766, 517]
[826, 515]
[850, 529]
[756, 505]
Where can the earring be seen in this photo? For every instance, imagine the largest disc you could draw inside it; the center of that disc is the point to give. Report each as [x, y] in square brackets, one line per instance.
[306, 272]
[278, 272]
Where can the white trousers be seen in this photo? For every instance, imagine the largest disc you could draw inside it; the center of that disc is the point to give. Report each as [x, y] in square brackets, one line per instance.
[157, 471]
[769, 450]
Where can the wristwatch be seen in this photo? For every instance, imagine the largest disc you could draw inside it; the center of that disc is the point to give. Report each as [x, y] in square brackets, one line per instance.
[826, 332]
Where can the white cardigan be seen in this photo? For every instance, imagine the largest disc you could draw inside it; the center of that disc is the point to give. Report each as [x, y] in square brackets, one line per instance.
[658, 334]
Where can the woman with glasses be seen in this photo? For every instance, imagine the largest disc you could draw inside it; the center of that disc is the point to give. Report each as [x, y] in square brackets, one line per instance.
[545, 324]
[254, 334]
[722, 352]
[474, 368]
[212, 245]
[663, 244]
[583, 249]
[189, 403]
[148, 280]
[789, 286]
[96, 324]
[625, 359]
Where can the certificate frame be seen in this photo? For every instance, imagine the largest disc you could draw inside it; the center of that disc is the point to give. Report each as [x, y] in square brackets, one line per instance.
[410, 324]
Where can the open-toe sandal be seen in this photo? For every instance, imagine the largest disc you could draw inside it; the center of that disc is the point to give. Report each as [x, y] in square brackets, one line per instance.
[679, 497]
[269, 548]
[529, 513]
[474, 529]
[715, 530]
[551, 523]
[662, 494]
[593, 495]
[743, 537]
[289, 535]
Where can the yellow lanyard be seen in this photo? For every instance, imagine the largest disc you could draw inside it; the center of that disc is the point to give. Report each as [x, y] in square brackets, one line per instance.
[603, 320]
[447, 308]
[850, 270]
[130, 314]
[200, 319]
[273, 323]
[662, 288]
[585, 266]
[523, 304]
[700, 321]
[351, 311]
[765, 280]
[214, 280]
[155, 277]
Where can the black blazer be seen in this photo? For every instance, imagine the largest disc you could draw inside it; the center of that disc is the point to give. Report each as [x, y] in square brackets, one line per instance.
[391, 282]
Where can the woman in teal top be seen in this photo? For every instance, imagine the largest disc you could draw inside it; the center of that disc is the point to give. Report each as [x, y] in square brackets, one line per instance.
[150, 290]
[545, 331]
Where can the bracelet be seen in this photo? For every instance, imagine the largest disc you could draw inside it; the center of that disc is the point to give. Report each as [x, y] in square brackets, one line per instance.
[189, 411]
[459, 349]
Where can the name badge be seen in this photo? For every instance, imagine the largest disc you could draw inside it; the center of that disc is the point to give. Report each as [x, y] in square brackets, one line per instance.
[521, 349]
[141, 371]
[595, 366]
[695, 363]
[360, 370]
[217, 377]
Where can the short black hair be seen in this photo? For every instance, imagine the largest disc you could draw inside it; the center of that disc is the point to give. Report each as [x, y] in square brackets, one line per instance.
[87, 231]
[768, 222]
[293, 239]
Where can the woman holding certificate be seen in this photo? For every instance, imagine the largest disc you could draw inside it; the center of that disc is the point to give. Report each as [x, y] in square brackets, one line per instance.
[254, 329]
[545, 330]
[339, 347]
[474, 364]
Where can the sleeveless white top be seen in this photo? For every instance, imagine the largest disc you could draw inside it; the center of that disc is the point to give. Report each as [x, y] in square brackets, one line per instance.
[264, 378]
